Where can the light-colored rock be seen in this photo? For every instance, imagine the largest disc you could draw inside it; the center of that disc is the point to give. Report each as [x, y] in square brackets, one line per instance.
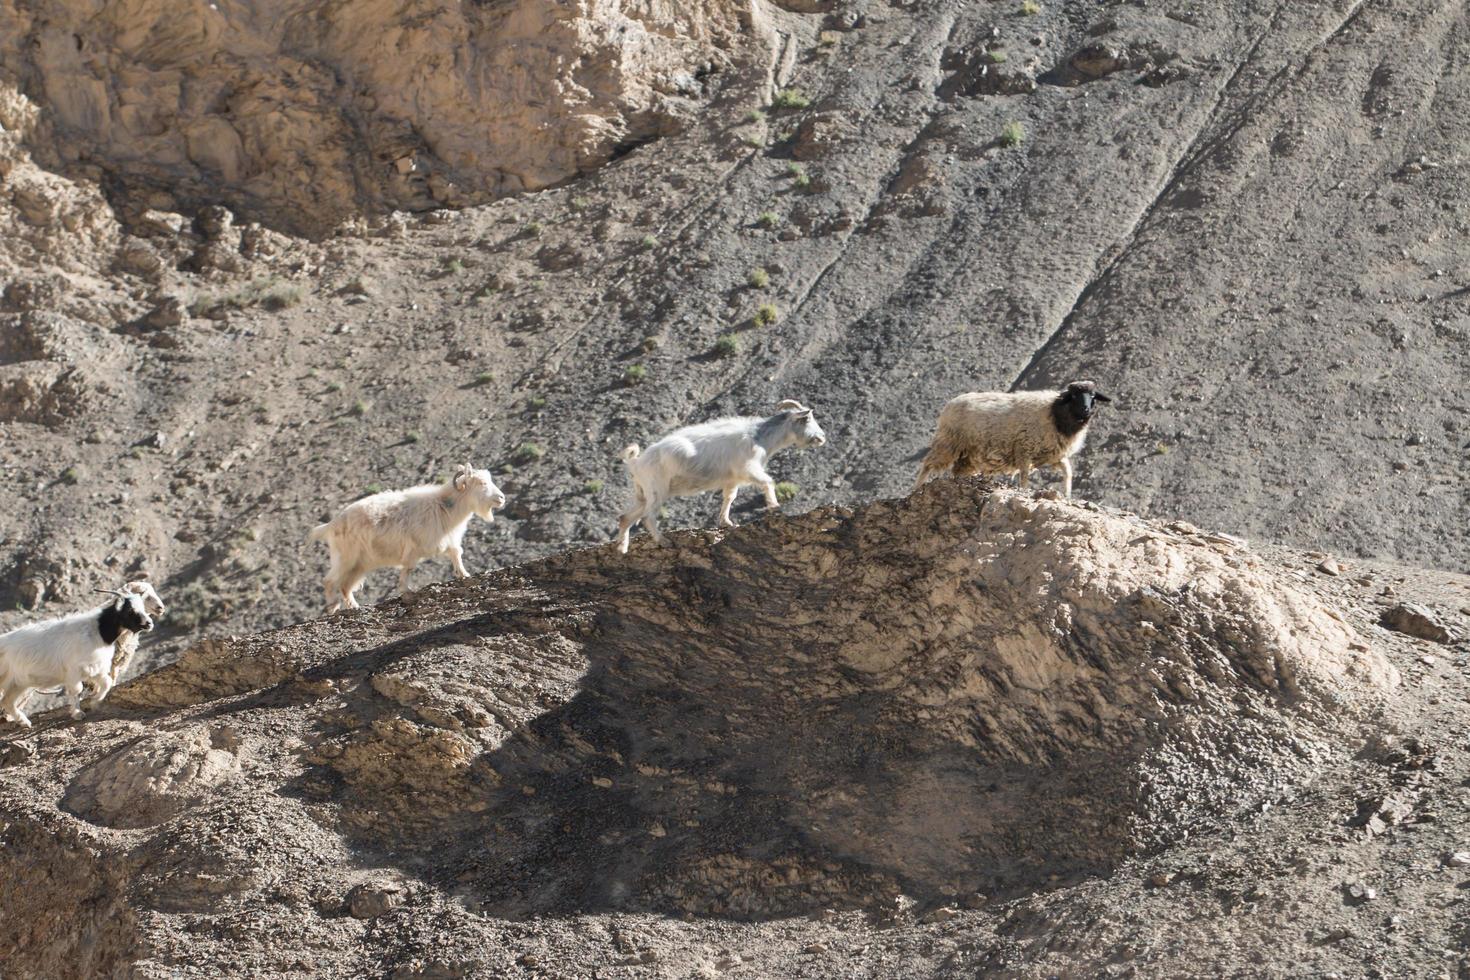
[302, 114]
[155, 777]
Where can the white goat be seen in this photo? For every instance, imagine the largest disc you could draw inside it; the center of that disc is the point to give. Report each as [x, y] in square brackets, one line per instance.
[1000, 432]
[402, 528]
[71, 651]
[127, 640]
[725, 455]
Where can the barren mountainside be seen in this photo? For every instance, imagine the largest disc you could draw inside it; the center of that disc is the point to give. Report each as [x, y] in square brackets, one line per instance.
[260, 259]
[969, 732]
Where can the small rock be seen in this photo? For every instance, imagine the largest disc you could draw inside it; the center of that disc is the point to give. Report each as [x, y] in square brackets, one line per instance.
[529, 959]
[1329, 567]
[814, 948]
[1162, 878]
[370, 900]
[602, 781]
[1360, 892]
[1049, 494]
[168, 311]
[14, 753]
[1459, 859]
[1399, 465]
[1415, 620]
[939, 915]
[647, 956]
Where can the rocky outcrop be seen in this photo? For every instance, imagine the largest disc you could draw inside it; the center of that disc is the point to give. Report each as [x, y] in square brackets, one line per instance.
[302, 114]
[965, 690]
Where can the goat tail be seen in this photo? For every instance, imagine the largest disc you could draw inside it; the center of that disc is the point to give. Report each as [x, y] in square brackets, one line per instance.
[320, 532]
[630, 454]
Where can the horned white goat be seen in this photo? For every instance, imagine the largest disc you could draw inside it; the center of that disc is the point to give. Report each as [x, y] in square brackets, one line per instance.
[127, 641]
[725, 455]
[402, 528]
[1000, 432]
[71, 651]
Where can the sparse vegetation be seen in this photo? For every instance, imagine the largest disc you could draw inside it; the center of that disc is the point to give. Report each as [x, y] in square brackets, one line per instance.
[271, 294]
[1161, 449]
[70, 476]
[758, 279]
[536, 403]
[527, 452]
[592, 486]
[786, 491]
[372, 488]
[359, 409]
[454, 266]
[755, 116]
[412, 437]
[282, 295]
[765, 315]
[790, 98]
[828, 38]
[996, 57]
[650, 344]
[635, 375]
[802, 181]
[484, 377]
[532, 229]
[768, 219]
[334, 386]
[1012, 134]
[1030, 8]
[727, 346]
[647, 243]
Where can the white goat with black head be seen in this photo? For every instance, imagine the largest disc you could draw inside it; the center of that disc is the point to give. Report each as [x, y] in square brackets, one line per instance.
[724, 455]
[993, 433]
[127, 640]
[402, 528]
[71, 651]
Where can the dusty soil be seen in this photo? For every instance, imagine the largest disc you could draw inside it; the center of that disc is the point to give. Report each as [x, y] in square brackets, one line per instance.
[251, 272]
[968, 732]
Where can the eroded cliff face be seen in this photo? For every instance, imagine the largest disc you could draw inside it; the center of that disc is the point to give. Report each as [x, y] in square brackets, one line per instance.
[304, 114]
[966, 691]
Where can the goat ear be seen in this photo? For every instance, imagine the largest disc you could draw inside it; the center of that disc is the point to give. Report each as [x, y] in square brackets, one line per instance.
[461, 478]
[1102, 398]
[788, 404]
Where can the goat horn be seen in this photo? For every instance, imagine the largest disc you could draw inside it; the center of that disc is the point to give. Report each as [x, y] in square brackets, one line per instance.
[120, 594]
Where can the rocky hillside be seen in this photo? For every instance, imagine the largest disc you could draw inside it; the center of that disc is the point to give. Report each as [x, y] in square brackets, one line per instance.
[968, 732]
[1242, 219]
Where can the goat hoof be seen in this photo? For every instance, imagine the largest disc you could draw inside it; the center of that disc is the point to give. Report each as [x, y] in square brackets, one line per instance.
[78, 713]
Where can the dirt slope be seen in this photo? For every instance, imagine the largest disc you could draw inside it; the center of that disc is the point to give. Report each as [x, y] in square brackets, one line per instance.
[1241, 219]
[962, 732]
